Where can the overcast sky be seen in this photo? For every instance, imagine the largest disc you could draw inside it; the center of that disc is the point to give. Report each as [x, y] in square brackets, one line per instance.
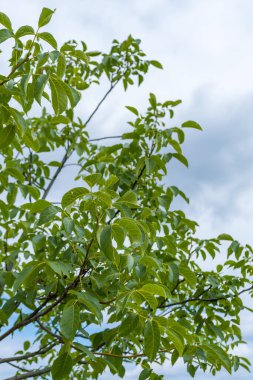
[206, 50]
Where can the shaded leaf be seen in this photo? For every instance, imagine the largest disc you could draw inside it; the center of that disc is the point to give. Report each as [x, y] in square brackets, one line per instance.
[7, 134]
[70, 321]
[62, 366]
[48, 214]
[39, 86]
[58, 95]
[151, 339]
[105, 241]
[90, 302]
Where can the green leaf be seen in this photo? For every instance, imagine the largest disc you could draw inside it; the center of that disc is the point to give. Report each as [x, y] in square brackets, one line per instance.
[105, 241]
[103, 198]
[181, 158]
[112, 180]
[225, 237]
[128, 325]
[34, 192]
[188, 275]
[177, 340]
[5, 34]
[24, 83]
[133, 110]
[31, 142]
[4, 210]
[27, 276]
[148, 297]
[119, 234]
[85, 350]
[131, 228]
[157, 289]
[22, 277]
[173, 272]
[151, 339]
[90, 302]
[73, 95]
[38, 242]
[60, 119]
[150, 262]
[152, 100]
[21, 123]
[145, 374]
[39, 86]
[93, 179]
[129, 262]
[80, 55]
[68, 225]
[58, 95]
[128, 199]
[60, 267]
[24, 30]
[61, 65]
[15, 173]
[5, 21]
[45, 36]
[45, 17]
[70, 321]
[37, 206]
[156, 64]
[72, 195]
[191, 124]
[62, 366]
[48, 214]
[3, 317]
[7, 134]
[217, 354]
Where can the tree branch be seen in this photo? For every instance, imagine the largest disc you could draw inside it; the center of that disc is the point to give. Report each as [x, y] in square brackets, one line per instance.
[57, 172]
[34, 373]
[41, 351]
[196, 299]
[102, 101]
[123, 356]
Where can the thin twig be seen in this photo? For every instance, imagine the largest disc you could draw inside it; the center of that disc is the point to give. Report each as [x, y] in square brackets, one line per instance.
[49, 331]
[67, 155]
[105, 138]
[18, 367]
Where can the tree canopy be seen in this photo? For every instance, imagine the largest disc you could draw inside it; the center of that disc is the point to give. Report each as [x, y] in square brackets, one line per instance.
[110, 273]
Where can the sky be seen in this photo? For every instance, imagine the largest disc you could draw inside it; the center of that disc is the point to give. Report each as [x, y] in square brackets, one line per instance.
[206, 50]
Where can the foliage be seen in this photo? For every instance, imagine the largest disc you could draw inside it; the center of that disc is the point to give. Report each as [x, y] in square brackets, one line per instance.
[110, 274]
